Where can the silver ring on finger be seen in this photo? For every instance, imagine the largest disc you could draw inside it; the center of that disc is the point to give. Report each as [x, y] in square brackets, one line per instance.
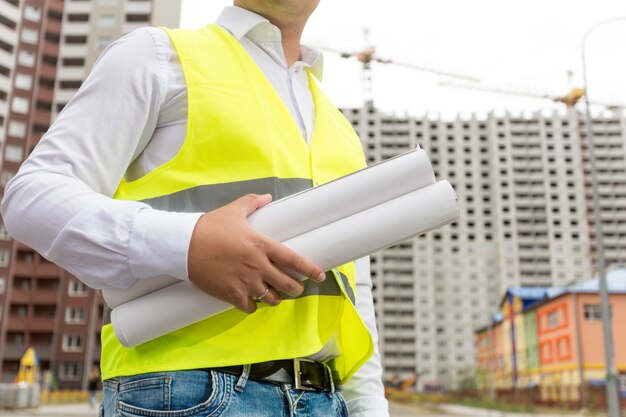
[260, 297]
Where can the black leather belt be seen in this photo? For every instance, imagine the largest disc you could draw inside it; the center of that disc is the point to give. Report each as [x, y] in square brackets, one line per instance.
[301, 374]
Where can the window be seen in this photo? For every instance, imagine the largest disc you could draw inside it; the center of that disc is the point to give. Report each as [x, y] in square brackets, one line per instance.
[2, 283]
[4, 235]
[19, 310]
[76, 39]
[106, 21]
[17, 129]
[75, 315]
[55, 15]
[70, 84]
[20, 105]
[73, 62]
[593, 312]
[5, 21]
[26, 58]
[32, 13]
[78, 17]
[108, 2]
[563, 348]
[13, 153]
[23, 81]
[69, 371]
[72, 343]
[4, 257]
[137, 17]
[546, 351]
[76, 288]
[103, 42]
[30, 36]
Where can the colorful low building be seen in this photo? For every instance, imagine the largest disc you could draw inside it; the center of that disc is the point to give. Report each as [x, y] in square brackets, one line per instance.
[550, 340]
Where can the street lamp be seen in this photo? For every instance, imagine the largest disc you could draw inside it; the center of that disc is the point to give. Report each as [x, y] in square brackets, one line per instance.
[612, 389]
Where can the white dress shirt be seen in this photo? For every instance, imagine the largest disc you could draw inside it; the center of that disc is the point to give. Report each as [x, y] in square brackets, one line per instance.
[129, 117]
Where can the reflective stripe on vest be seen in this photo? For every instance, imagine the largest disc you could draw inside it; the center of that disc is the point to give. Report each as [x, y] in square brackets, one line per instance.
[241, 139]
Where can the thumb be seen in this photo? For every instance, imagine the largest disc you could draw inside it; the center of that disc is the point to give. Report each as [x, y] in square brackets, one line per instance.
[252, 202]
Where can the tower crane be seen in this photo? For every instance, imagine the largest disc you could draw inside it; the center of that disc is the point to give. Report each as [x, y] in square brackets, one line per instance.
[570, 99]
[368, 55]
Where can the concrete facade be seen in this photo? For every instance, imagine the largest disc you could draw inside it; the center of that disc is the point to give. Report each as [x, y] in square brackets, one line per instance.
[524, 190]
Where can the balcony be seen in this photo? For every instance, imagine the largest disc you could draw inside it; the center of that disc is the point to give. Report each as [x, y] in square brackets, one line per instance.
[28, 296]
[42, 117]
[45, 93]
[23, 269]
[48, 71]
[48, 270]
[15, 351]
[20, 296]
[36, 324]
[54, 26]
[51, 48]
[45, 296]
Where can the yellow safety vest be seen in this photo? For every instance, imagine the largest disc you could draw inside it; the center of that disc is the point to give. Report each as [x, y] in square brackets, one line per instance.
[240, 139]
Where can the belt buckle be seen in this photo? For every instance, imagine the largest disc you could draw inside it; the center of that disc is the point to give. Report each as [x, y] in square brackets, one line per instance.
[297, 375]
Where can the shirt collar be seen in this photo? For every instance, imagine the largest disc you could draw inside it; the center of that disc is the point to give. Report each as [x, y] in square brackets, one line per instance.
[240, 22]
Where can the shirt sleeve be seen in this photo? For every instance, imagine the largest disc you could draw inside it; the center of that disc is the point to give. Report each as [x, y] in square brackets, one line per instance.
[365, 393]
[60, 201]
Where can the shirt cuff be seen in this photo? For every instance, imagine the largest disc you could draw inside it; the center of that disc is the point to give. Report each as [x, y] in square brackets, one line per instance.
[159, 244]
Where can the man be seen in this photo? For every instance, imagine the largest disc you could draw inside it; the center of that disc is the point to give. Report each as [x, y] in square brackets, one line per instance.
[176, 123]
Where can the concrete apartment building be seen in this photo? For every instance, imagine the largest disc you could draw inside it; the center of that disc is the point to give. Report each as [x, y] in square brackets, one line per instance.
[526, 220]
[47, 48]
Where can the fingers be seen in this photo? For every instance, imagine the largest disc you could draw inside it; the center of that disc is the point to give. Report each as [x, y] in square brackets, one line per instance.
[228, 260]
[268, 296]
[249, 304]
[282, 282]
[288, 260]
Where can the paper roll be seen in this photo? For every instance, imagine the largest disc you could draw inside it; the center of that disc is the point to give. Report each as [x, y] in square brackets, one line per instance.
[313, 208]
[310, 209]
[350, 238]
[114, 298]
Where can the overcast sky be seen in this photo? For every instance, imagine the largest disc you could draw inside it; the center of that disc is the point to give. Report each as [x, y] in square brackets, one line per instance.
[523, 45]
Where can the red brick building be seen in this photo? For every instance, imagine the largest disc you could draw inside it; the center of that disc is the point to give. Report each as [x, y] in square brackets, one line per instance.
[46, 50]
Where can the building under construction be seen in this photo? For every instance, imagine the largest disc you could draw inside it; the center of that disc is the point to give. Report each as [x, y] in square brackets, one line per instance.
[526, 220]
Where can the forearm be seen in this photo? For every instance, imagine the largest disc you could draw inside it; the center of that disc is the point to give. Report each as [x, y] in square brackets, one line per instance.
[107, 243]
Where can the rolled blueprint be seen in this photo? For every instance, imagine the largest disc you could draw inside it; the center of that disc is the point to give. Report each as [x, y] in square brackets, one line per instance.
[115, 297]
[310, 209]
[331, 245]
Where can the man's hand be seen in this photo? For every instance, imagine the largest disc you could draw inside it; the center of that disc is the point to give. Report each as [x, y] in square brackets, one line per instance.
[231, 261]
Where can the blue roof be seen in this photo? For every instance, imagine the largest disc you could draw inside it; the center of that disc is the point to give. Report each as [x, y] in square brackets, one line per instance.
[616, 282]
[531, 295]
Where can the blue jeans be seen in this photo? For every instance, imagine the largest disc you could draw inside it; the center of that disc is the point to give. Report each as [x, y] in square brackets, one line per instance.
[200, 393]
